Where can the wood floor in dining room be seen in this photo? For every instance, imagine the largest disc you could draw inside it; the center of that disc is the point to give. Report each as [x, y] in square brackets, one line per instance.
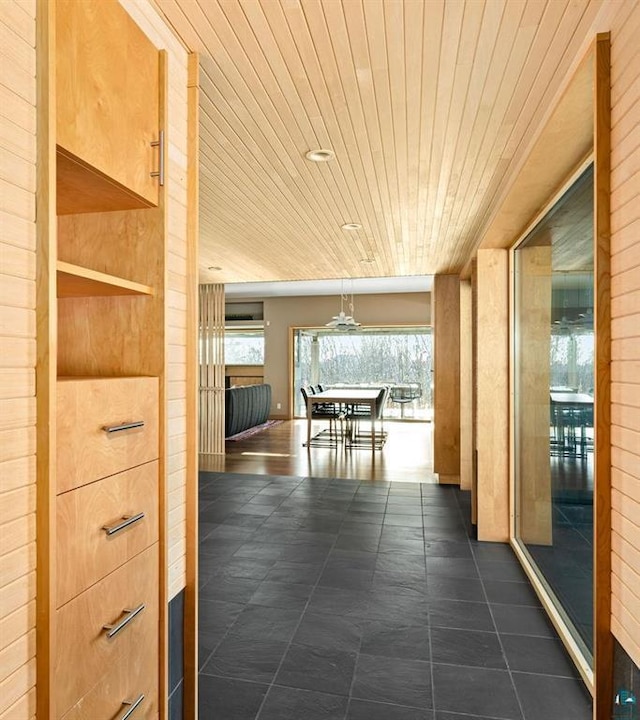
[407, 455]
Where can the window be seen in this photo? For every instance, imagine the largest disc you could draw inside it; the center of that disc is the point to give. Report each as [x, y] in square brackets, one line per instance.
[244, 347]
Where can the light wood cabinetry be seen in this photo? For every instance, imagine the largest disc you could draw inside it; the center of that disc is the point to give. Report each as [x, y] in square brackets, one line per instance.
[107, 114]
[101, 371]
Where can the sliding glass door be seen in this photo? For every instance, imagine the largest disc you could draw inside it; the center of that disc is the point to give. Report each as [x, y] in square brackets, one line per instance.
[553, 404]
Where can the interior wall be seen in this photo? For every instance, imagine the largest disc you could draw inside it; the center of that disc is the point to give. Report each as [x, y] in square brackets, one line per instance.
[624, 24]
[284, 312]
[17, 359]
[163, 38]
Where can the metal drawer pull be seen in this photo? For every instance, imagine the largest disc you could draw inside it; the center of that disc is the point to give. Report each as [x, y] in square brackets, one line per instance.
[127, 520]
[113, 630]
[132, 705]
[159, 173]
[123, 426]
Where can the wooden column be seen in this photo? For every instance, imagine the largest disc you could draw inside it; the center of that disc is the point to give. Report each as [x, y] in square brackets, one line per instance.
[446, 419]
[190, 693]
[466, 387]
[212, 369]
[603, 639]
[492, 407]
[533, 400]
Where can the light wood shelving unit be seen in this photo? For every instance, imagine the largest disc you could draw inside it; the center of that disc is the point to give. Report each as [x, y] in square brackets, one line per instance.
[102, 535]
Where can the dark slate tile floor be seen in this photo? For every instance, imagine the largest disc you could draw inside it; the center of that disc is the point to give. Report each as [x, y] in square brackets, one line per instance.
[327, 599]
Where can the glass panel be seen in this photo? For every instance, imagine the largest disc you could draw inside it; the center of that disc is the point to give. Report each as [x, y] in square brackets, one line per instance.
[554, 353]
[399, 357]
[244, 347]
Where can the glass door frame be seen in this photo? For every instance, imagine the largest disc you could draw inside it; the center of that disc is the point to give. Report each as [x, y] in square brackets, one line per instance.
[545, 594]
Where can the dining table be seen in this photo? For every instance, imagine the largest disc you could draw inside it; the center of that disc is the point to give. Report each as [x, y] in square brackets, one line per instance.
[344, 396]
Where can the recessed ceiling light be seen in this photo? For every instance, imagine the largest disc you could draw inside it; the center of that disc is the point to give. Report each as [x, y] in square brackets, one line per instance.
[351, 226]
[214, 268]
[320, 155]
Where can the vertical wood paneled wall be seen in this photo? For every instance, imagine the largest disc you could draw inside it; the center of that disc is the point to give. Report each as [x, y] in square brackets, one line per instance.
[212, 369]
[178, 277]
[492, 395]
[446, 413]
[17, 358]
[625, 325]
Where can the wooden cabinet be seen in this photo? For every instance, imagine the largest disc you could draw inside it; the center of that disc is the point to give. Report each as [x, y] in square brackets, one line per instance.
[105, 425]
[101, 370]
[107, 116]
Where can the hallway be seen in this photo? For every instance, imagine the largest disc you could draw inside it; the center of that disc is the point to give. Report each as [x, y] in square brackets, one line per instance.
[357, 600]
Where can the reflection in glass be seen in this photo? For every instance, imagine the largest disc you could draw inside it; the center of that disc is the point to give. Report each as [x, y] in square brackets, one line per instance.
[554, 354]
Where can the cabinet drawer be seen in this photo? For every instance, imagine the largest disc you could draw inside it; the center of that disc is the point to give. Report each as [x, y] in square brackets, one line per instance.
[94, 538]
[93, 422]
[126, 683]
[85, 653]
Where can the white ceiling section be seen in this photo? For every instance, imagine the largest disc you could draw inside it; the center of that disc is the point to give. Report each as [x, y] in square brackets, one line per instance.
[303, 288]
[429, 106]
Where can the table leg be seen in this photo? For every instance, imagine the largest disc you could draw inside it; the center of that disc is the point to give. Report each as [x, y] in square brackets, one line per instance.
[309, 406]
[373, 427]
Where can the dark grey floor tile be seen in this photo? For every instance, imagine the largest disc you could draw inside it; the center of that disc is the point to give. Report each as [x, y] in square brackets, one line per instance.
[401, 582]
[339, 601]
[290, 572]
[522, 620]
[493, 552]
[229, 699]
[292, 596]
[451, 588]
[400, 546]
[304, 553]
[283, 703]
[368, 506]
[460, 614]
[353, 517]
[397, 607]
[317, 668]
[401, 563]
[460, 567]
[229, 589]
[395, 639]
[248, 568]
[392, 518]
[360, 543]
[367, 710]
[246, 659]
[511, 593]
[545, 656]
[456, 716]
[266, 623]
[506, 571]
[261, 550]
[467, 647]
[268, 500]
[329, 631]
[348, 579]
[545, 697]
[393, 680]
[447, 549]
[351, 560]
[451, 534]
[473, 690]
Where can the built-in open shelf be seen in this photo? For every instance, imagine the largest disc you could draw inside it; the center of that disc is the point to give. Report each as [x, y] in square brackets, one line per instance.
[77, 281]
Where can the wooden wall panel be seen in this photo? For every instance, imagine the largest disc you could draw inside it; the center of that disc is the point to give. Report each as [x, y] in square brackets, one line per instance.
[178, 280]
[446, 378]
[212, 369]
[492, 388]
[466, 387]
[623, 23]
[17, 339]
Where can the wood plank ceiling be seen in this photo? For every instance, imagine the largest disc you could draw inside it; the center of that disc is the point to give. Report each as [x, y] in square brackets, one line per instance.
[429, 106]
